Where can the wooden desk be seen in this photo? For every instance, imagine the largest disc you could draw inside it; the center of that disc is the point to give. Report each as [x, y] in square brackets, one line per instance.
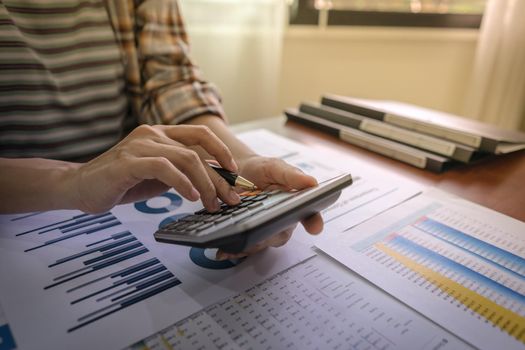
[497, 183]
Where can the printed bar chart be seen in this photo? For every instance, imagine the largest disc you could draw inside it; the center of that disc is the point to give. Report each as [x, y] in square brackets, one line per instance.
[454, 265]
[496, 314]
[473, 245]
[492, 300]
[107, 270]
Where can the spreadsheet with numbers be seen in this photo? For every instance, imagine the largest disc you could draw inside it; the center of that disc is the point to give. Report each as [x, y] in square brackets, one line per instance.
[458, 263]
[314, 305]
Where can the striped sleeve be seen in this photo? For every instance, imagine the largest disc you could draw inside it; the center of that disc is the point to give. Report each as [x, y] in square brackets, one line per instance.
[62, 91]
[172, 88]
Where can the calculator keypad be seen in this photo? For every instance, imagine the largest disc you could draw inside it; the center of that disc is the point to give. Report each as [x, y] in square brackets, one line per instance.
[203, 222]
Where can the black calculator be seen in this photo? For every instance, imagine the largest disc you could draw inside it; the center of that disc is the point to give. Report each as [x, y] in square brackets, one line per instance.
[259, 215]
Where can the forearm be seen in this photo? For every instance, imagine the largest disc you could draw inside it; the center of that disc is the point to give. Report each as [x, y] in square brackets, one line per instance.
[35, 185]
[239, 150]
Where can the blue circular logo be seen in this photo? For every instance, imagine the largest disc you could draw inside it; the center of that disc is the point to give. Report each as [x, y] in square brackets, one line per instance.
[198, 256]
[175, 203]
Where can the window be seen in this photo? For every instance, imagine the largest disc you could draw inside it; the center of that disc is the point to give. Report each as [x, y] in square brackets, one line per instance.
[400, 13]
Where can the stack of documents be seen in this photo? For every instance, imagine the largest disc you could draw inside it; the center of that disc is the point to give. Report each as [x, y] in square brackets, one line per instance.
[421, 137]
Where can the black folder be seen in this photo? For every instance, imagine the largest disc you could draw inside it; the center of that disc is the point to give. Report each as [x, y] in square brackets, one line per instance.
[410, 155]
[480, 136]
[432, 144]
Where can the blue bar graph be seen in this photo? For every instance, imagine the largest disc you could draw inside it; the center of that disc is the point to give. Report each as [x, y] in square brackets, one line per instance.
[88, 231]
[122, 273]
[109, 266]
[100, 220]
[145, 284]
[83, 220]
[138, 277]
[113, 252]
[141, 275]
[427, 256]
[92, 250]
[95, 316]
[138, 267]
[130, 285]
[500, 257]
[56, 224]
[87, 270]
[112, 237]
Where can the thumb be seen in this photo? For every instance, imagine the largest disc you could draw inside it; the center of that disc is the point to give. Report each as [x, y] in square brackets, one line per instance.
[291, 177]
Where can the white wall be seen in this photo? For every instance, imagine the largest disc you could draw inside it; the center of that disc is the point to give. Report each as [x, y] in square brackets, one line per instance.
[259, 74]
[428, 67]
[238, 43]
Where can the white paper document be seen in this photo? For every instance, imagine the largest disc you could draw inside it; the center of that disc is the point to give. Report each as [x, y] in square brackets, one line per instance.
[459, 264]
[317, 304]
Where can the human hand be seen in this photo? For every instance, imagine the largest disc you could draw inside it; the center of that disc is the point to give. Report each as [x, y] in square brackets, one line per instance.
[273, 173]
[149, 161]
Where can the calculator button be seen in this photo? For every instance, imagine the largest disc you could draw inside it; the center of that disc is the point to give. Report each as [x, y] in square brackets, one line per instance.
[222, 210]
[204, 227]
[190, 218]
[194, 226]
[259, 197]
[171, 225]
[209, 218]
[240, 211]
[222, 219]
[182, 226]
[255, 205]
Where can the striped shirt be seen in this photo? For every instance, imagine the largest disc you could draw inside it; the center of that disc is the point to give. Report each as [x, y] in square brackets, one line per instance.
[72, 72]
